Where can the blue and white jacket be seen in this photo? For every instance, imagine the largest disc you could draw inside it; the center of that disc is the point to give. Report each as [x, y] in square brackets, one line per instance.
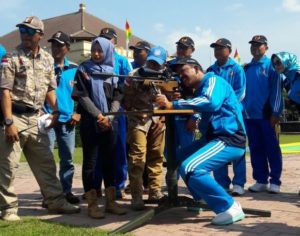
[221, 112]
[263, 90]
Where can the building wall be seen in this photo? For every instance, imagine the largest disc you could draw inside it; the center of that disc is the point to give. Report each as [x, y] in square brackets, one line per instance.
[81, 51]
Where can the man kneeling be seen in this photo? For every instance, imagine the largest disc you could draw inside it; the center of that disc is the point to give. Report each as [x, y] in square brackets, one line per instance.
[223, 138]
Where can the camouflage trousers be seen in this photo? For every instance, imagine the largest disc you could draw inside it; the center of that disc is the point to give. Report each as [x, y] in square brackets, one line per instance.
[36, 149]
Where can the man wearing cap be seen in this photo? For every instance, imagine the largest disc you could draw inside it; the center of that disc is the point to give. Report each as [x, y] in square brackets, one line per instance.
[263, 106]
[140, 53]
[234, 74]
[121, 67]
[223, 137]
[146, 134]
[64, 131]
[185, 126]
[27, 79]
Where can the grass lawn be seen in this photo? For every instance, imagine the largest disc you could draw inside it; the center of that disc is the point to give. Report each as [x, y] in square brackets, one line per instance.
[35, 227]
[291, 138]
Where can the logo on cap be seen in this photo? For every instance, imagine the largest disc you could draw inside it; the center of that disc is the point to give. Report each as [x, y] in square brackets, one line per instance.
[157, 52]
[257, 38]
[106, 31]
[57, 35]
[219, 41]
[28, 19]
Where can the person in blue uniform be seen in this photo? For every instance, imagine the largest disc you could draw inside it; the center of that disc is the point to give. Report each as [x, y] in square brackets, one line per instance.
[64, 131]
[223, 137]
[288, 64]
[184, 125]
[262, 108]
[234, 74]
[140, 53]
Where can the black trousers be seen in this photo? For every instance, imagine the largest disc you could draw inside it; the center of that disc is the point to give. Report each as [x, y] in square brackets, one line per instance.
[97, 145]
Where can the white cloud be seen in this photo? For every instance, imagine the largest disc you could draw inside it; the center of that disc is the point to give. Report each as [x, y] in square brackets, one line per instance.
[291, 5]
[234, 7]
[159, 27]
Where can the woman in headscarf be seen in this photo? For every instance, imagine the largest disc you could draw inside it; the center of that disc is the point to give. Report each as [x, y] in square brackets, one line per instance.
[288, 64]
[97, 94]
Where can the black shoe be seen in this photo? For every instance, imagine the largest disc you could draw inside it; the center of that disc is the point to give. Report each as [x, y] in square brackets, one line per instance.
[71, 198]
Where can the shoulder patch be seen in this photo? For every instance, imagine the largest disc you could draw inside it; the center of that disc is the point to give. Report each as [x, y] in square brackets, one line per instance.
[4, 61]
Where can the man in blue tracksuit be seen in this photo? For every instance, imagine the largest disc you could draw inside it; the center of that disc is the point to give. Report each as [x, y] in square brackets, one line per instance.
[263, 106]
[234, 74]
[223, 137]
[122, 67]
[64, 132]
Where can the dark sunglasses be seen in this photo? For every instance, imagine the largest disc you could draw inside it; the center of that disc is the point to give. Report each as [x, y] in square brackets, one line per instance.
[182, 47]
[28, 31]
[256, 44]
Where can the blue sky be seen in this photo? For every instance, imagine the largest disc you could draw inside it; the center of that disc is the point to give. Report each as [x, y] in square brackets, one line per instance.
[164, 22]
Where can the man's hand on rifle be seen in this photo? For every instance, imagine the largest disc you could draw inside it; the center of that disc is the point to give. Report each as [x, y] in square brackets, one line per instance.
[162, 101]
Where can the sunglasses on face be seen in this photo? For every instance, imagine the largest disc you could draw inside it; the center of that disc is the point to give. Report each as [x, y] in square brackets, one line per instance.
[28, 31]
[254, 44]
[182, 47]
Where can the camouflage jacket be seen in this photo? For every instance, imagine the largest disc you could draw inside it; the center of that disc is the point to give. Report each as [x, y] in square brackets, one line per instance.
[28, 78]
[139, 97]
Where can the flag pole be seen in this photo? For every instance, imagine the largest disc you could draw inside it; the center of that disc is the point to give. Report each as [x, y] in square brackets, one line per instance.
[127, 42]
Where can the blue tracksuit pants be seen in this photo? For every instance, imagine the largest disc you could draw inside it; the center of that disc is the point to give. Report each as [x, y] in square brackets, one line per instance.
[266, 158]
[197, 162]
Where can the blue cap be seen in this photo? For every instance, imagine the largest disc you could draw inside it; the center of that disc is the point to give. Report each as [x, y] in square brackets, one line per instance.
[2, 52]
[157, 54]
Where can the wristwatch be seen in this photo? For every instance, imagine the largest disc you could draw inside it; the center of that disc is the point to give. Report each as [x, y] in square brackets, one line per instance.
[8, 121]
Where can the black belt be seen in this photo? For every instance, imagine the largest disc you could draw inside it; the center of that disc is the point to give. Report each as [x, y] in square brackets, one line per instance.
[18, 108]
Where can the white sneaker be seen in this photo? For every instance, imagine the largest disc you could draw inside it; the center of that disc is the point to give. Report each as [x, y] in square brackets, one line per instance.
[274, 188]
[257, 187]
[233, 214]
[10, 215]
[238, 190]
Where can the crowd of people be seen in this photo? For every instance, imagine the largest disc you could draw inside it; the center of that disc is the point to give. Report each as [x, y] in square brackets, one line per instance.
[231, 103]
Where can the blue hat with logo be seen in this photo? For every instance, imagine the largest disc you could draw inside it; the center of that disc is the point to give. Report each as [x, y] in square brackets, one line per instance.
[157, 54]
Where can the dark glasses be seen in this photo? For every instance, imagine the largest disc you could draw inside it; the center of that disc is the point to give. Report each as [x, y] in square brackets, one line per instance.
[182, 47]
[28, 31]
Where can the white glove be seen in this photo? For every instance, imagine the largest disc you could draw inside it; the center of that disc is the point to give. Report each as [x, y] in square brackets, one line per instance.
[43, 123]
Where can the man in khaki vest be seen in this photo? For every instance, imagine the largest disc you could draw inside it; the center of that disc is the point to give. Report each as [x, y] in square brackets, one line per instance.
[27, 79]
[145, 135]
